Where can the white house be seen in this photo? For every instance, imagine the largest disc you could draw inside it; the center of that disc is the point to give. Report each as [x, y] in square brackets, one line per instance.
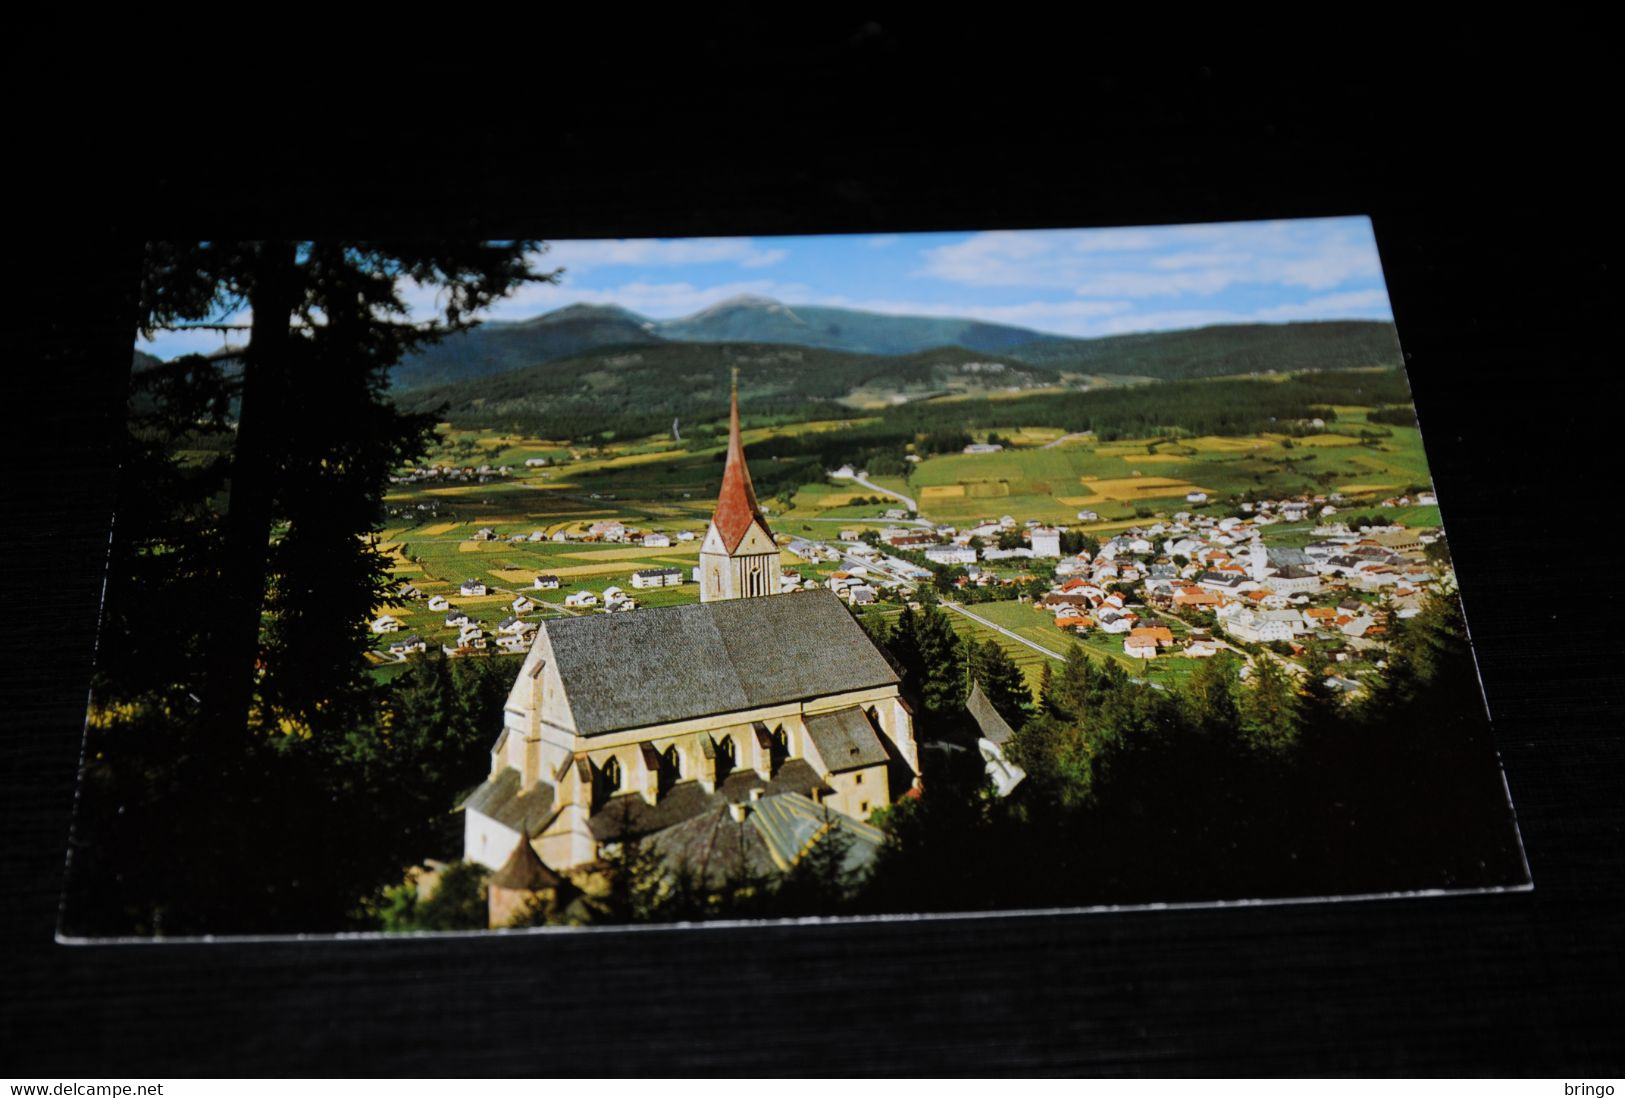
[407, 645]
[439, 602]
[581, 598]
[1046, 541]
[656, 541]
[657, 577]
[1140, 648]
[472, 588]
[951, 554]
[546, 583]
[522, 605]
[385, 623]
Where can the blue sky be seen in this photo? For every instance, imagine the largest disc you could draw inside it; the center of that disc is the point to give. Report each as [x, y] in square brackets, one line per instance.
[1080, 282]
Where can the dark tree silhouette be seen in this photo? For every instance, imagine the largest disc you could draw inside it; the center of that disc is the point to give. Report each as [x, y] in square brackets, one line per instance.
[313, 436]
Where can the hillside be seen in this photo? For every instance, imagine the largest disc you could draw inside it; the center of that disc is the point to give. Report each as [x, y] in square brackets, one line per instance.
[501, 347]
[498, 347]
[749, 319]
[1222, 350]
[638, 389]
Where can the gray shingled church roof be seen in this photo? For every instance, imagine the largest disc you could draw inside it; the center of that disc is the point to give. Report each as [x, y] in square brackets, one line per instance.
[680, 662]
[845, 740]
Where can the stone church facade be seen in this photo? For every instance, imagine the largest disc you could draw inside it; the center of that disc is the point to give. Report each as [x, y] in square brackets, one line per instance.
[630, 724]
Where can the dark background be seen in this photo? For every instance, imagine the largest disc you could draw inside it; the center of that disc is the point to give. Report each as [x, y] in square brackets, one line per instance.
[1480, 160]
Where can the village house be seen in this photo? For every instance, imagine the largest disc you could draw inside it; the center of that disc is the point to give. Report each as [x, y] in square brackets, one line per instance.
[386, 623]
[472, 588]
[657, 577]
[439, 602]
[546, 583]
[406, 646]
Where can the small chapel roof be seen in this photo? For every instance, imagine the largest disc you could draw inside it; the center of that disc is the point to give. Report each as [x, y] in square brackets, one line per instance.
[845, 740]
[736, 503]
[499, 798]
[994, 727]
[666, 664]
[524, 871]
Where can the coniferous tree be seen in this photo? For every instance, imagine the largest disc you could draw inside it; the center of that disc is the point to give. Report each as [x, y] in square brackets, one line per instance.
[313, 432]
[1002, 681]
[1269, 707]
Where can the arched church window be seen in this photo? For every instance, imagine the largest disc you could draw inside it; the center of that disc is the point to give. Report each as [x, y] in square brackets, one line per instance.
[612, 773]
[781, 745]
[672, 762]
[727, 750]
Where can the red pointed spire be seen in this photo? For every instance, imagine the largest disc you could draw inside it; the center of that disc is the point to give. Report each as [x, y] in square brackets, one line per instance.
[736, 503]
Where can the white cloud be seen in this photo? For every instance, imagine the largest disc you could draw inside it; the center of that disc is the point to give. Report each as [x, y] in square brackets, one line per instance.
[1167, 262]
[1356, 303]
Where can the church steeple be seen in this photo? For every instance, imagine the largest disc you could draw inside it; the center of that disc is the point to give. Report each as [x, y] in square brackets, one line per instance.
[739, 558]
[736, 503]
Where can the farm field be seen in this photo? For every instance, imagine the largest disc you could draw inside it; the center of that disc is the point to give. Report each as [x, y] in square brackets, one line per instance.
[654, 484]
[1117, 478]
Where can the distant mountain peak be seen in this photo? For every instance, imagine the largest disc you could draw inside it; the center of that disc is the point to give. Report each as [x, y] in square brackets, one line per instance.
[744, 301]
[583, 310]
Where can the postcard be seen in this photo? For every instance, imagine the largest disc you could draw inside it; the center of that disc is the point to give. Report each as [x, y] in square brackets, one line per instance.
[581, 584]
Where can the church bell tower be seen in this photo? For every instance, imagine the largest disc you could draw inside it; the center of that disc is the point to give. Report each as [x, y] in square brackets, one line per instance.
[739, 558]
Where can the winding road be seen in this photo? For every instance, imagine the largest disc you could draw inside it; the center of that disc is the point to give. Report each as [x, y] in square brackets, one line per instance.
[873, 487]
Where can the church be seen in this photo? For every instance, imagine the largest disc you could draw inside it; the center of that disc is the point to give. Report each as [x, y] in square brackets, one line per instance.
[751, 706]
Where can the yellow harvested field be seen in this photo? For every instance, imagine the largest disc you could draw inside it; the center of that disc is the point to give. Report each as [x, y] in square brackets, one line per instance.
[640, 459]
[471, 546]
[522, 576]
[438, 529]
[632, 553]
[1360, 489]
[482, 600]
[1328, 440]
[942, 491]
[1128, 489]
[1154, 458]
[986, 489]
[1078, 501]
[589, 570]
[1210, 444]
